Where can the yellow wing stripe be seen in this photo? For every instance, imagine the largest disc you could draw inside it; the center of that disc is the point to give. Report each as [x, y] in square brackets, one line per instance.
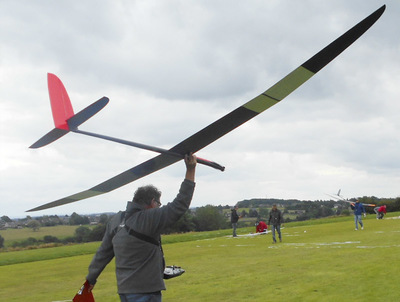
[280, 90]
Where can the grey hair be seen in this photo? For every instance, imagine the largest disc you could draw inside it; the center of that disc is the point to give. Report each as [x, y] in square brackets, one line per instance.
[144, 195]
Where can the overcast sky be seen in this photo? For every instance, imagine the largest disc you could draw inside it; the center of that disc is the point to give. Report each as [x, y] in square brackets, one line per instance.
[170, 68]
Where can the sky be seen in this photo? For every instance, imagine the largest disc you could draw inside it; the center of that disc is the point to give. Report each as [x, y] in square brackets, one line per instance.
[170, 68]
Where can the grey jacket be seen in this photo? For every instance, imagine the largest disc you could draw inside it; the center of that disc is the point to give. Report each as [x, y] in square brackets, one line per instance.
[139, 264]
[275, 217]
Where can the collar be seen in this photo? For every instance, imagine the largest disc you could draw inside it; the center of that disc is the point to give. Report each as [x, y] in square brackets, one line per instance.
[134, 206]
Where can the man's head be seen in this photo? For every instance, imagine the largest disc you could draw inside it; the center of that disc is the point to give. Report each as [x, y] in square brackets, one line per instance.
[147, 195]
[274, 208]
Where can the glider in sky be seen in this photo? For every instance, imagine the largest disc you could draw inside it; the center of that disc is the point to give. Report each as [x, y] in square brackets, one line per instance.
[65, 120]
[340, 197]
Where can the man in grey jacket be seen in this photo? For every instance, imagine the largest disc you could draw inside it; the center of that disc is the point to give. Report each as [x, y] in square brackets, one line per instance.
[275, 220]
[133, 238]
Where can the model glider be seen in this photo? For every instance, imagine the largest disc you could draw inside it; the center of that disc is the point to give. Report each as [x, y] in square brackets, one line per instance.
[65, 120]
[340, 197]
[337, 196]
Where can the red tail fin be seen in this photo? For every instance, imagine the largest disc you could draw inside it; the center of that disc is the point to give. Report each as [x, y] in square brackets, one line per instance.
[63, 115]
[60, 103]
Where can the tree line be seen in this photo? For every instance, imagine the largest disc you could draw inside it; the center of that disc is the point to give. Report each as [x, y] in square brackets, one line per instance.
[205, 218]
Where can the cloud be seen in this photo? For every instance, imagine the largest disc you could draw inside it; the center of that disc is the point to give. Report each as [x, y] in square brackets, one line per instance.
[172, 68]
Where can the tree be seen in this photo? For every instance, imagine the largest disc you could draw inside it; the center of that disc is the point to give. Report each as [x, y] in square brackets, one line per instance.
[346, 212]
[253, 213]
[6, 218]
[103, 219]
[29, 242]
[97, 233]
[183, 225]
[34, 225]
[263, 212]
[50, 239]
[82, 234]
[209, 218]
[77, 219]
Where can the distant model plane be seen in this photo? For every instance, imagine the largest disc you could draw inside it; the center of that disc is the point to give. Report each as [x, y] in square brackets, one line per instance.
[340, 197]
[337, 196]
[65, 120]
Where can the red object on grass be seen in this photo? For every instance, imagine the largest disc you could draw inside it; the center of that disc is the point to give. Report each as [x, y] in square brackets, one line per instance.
[83, 294]
[261, 227]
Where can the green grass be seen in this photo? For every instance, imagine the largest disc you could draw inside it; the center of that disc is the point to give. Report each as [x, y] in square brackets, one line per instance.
[8, 258]
[60, 231]
[319, 260]
[15, 257]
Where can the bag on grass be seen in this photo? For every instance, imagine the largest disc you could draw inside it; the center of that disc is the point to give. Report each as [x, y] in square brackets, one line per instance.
[83, 294]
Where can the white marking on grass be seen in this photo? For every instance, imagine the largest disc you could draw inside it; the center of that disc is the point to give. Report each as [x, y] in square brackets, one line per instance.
[370, 247]
[206, 239]
[337, 243]
[376, 246]
[318, 245]
[295, 244]
[245, 245]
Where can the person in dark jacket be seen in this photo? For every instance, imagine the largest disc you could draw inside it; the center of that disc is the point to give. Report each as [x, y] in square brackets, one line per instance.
[133, 238]
[275, 220]
[234, 220]
[358, 209]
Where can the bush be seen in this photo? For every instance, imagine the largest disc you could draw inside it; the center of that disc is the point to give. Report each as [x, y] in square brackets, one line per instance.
[70, 239]
[97, 233]
[209, 218]
[50, 239]
[82, 234]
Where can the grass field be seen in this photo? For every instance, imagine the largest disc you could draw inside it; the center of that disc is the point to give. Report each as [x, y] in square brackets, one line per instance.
[320, 260]
[60, 231]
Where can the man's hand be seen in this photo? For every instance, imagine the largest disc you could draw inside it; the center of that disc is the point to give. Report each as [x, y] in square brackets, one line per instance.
[90, 286]
[190, 162]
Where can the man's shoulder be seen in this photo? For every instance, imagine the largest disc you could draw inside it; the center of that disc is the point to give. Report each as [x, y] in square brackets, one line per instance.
[116, 219]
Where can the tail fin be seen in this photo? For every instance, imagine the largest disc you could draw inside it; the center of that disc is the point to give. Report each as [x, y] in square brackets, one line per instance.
[60, 104]
[63, 113]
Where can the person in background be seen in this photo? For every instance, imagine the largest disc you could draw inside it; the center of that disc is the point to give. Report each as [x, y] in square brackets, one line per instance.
[261, 227]
[358, 209]
[380, 211]
[275, 220]
[234, 220]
